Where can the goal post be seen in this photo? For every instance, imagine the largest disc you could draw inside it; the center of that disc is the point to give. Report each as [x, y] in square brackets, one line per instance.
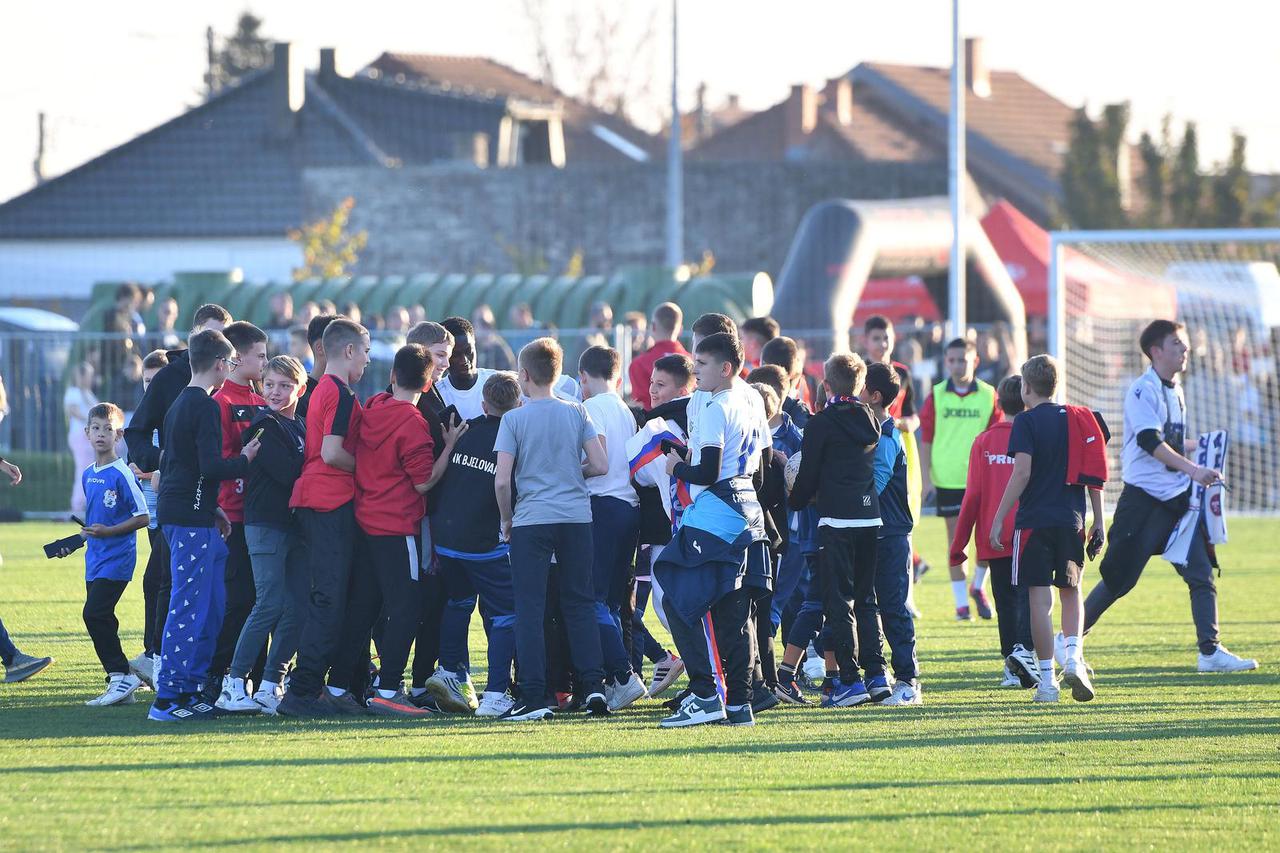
[1224, 285]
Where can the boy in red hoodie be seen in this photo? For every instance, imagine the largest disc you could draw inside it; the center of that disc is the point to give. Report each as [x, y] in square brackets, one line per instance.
[394, 457]
[239, 404]
[990, 467]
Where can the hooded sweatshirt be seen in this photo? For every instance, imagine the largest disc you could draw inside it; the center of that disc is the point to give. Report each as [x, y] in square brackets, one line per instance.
[837, 465]
[393, 454]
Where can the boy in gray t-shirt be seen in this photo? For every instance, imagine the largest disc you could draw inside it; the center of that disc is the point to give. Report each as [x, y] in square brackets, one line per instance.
[541, 445]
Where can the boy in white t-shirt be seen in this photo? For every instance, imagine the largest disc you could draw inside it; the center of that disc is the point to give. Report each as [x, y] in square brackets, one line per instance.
[615, 518]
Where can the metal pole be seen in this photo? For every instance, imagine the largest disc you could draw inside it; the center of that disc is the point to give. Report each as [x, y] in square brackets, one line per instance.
[957, 309]
[675, 175]
[1058, 311]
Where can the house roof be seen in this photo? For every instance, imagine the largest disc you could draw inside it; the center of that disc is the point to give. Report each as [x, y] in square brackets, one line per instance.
[868, 135]
[591, 135]
[218, 170]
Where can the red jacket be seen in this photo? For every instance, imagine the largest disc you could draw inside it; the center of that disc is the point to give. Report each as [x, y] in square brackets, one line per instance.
[238, 405]
[1086, 448]
[990, 467]
[393, 454]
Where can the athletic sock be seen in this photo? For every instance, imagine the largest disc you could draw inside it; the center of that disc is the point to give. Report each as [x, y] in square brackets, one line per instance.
[1046, 671]
[1075, 649]
[736, 707]
[417, 691]
[833, 674]
[335, 691]
[961, 593]
[786, 673]
[979, 576]
[386, 694]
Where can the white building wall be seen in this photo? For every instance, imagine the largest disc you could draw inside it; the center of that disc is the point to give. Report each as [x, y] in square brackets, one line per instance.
[69, 268]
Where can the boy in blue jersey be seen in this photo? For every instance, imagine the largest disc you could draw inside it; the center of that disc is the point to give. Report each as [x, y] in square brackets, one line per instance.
[114, 510]
[893, 542]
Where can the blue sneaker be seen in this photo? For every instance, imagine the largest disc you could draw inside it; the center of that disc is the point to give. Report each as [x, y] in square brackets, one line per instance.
[878, 687]
[847, 695]
[170, 711]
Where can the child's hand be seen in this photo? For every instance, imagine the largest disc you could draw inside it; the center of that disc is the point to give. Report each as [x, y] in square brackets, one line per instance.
[251, 449]
[95, 531]
[454, 431]
[673, 459]
[997, 533]
[12, 472]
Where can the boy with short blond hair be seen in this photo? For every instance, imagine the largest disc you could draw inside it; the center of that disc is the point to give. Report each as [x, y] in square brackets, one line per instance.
[1048, 538]
[539, 451]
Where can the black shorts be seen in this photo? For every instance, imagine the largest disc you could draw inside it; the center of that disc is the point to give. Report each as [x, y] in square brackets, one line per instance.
[949, 502]
[1048, 556]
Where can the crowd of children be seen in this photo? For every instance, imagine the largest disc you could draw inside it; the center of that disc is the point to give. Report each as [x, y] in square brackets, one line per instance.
[314, 555]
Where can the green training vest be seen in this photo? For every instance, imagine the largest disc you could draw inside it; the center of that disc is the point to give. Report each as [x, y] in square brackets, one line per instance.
[957, 422]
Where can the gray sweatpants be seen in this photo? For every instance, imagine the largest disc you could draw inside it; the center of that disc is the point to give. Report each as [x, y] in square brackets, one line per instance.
[281, 581]
[1139, 531]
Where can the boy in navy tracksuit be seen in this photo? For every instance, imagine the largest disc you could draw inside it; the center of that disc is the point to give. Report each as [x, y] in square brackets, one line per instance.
[474, 561]
[836, 469]
[191, 470]
[893, 543]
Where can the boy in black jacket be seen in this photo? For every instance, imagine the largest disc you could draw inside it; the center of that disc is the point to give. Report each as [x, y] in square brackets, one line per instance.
[836, 467]
[191, 469]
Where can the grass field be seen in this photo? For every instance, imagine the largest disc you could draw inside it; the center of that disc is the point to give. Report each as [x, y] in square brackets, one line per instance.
[1163, 757]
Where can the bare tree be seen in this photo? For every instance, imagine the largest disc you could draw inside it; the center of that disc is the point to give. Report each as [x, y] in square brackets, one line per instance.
[601, 53]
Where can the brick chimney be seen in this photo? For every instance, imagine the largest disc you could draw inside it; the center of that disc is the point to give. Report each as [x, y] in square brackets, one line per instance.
[976, 73]
[837, 99]
[286, 91]
[328, 63]
[801, 116]
[702, 118]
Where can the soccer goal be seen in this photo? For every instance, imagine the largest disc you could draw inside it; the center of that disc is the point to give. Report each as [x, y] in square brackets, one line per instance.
[1105, 286]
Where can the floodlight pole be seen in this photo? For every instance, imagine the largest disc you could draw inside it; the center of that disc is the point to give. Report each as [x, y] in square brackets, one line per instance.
[956, 295]
[675, 166]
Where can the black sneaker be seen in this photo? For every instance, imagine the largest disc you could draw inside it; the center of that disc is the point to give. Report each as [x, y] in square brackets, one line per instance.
[425, 701]
[210, 691]
[196, 704]
[738, 715]
[597, 705]
[673, 704]
[304, 707]
[346, 705]
[525, 711]
[762, 699]
[789, 692]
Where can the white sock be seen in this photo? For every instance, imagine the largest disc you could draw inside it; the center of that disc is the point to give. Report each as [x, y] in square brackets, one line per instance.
[335, 691]
[1046, 671]
[961, 593]
[1075, 649]
[417, 691]
[979, 576]
[386, 694]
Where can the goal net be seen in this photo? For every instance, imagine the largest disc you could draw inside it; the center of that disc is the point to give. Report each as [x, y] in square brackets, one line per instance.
[1104, 287]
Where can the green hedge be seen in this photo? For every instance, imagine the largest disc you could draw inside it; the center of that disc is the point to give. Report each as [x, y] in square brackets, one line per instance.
[46, 482]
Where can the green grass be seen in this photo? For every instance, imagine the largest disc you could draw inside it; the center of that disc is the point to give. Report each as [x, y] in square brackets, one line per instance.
[1164, 756]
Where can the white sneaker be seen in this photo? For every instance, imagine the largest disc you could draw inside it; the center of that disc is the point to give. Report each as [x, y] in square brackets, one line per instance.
[1046, 692]
[665, 673]
[143, 667]
[815, 666]
[120, 689]
[1010, 679]
[235, 698]
[1224, 661]
[453, 692]
[267, 698]
[1075, 676]
[494, 704]
[622, 695]
[905, 693]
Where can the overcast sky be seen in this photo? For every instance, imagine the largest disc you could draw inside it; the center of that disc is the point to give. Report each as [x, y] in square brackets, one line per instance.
[105, 72]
